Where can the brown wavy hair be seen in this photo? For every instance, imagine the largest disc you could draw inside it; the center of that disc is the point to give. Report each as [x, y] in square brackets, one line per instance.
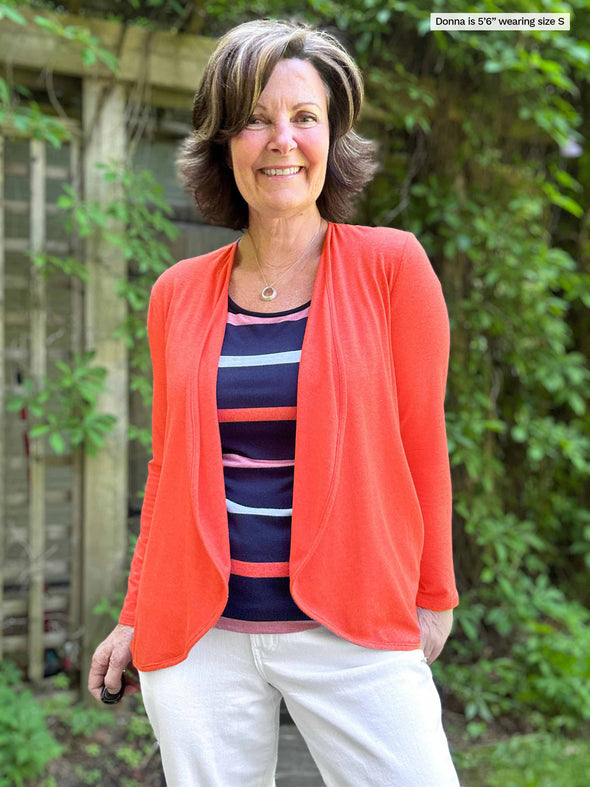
[234, 78]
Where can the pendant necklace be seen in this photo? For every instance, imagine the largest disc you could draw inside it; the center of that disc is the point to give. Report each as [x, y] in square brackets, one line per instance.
[268, 292]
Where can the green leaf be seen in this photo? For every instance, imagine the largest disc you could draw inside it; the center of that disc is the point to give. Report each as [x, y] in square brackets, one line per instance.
[39, 430]
[88, 57]
[568, 204]
[7, 12]
[63, 367]
[15, 404]
[109, 59]
[519, 433]
[57, 442]
[4, 92]
[48, 24]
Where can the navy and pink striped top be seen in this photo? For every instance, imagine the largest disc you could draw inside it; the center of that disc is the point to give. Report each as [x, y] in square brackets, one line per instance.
[257, 409]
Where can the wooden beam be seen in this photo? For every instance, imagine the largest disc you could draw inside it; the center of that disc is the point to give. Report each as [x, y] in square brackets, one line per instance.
[17, 607]
[105, 475]
[57, 569]
[175, 61]
[52, 497]
[37, 445]
[16, 643]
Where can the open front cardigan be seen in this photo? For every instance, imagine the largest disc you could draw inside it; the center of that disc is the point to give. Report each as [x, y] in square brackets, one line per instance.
[371, 524]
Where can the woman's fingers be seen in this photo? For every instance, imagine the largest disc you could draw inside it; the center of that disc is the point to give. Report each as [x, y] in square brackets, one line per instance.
[435, 628]
[109, 662]
[98, 670]
[112, 679]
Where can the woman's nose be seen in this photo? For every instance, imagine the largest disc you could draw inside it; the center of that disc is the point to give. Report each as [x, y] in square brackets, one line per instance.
[282, 139]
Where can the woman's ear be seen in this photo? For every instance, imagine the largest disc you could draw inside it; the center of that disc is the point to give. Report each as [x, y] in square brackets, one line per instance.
[228, 160]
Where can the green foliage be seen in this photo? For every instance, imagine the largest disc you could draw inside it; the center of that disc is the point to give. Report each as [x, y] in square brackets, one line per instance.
[139, 727]
[81, 720]
[26, 745]
[519, 443]
[539, 760]
[91, 50]
[30, 120]
[64, 408]
[136, 223]
[97, 732]
[544, 674]
[85, 720]
[130, 755]
[111, 605]
[88, 775]
[49, 263]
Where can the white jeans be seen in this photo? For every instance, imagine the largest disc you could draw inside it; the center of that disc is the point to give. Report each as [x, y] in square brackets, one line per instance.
[370, 717]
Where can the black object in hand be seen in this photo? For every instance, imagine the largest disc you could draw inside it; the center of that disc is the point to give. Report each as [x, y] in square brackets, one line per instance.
[112, 699]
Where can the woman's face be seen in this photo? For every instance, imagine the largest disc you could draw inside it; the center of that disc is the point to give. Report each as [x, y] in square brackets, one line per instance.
[279, 159]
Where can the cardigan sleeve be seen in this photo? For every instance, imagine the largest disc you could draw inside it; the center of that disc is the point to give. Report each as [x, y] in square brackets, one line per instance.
[156, 327]
[420, 347]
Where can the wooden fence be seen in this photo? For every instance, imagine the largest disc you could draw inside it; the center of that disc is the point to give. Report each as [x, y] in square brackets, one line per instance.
[63, 520]
[40, 492]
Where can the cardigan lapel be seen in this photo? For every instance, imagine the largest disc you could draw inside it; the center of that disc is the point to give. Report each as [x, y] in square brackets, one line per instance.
[321, 409]
[207, 481]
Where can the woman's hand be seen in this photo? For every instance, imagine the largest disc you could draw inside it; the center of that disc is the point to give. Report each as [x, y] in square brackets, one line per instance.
[435, 628]
[109, 662]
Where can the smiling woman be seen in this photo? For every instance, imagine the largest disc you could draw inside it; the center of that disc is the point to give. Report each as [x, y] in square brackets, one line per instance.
[295, 535]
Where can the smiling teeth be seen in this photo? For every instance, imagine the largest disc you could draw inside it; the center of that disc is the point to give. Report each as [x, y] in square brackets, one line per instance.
[286, 171]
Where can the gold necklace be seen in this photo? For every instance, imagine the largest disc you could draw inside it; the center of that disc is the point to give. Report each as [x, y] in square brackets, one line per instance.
[268, 292]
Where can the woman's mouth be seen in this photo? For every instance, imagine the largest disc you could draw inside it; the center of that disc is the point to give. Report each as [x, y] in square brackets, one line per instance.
[281, 171]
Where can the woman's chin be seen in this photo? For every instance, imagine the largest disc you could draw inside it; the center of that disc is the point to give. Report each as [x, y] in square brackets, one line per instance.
[283, 208]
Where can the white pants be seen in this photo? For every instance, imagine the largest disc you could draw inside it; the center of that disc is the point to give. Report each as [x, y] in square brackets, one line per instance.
[370, 717]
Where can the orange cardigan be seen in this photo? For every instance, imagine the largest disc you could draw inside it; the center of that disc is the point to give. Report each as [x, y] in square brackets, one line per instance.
[371, 525]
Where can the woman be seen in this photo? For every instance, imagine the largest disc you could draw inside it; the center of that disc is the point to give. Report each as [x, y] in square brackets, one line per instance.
[295, 537]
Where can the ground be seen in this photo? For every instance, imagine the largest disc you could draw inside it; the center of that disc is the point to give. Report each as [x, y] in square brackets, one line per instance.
[124, 754]
[114, 747]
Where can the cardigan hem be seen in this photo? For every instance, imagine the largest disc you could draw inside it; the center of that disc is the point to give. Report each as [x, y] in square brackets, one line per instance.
[170, 662]
[359, 641]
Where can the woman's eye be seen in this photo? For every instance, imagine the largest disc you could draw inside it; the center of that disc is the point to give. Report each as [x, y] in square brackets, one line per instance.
[306, 118]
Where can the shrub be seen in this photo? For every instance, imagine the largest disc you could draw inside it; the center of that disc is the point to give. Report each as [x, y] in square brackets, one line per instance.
[26, 745]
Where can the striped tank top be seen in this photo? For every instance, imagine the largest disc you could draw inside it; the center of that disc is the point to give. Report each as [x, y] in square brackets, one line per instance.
[257, 411]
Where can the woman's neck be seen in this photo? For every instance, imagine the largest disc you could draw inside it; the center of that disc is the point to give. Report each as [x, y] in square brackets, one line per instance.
[277, 243]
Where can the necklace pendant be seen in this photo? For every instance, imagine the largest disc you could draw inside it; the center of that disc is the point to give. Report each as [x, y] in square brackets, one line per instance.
[268, 293]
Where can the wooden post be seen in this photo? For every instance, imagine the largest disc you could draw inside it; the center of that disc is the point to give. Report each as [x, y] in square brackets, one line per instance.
[2, 389]
[77, 345]
[105, 475]
[37, 445]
